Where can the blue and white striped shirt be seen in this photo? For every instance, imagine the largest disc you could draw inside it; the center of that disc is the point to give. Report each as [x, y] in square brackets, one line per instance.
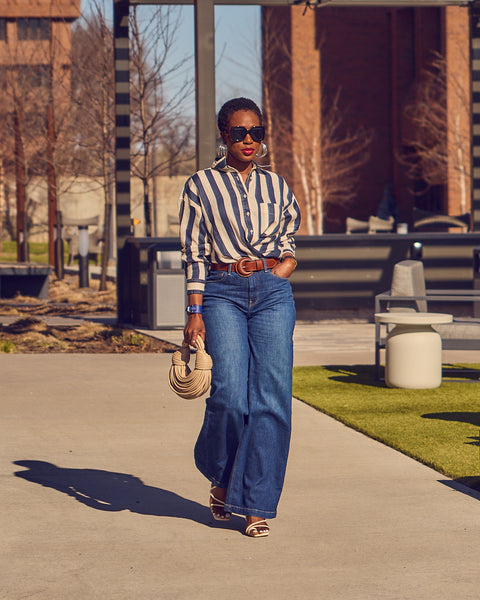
[223, 218]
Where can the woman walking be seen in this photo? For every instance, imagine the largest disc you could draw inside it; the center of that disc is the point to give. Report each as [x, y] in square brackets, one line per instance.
[237, 222]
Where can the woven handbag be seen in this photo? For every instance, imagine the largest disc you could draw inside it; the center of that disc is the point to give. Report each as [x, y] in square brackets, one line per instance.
[186, 383]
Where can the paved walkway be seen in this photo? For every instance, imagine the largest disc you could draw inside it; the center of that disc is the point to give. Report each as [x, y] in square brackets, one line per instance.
[100, 498]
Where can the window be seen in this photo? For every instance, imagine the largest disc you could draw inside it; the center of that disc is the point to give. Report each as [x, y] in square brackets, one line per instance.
[32, 76]
[3, 30]
[33, 29]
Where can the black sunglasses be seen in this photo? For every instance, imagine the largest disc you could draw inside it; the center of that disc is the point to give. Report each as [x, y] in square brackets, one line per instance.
[238, 134]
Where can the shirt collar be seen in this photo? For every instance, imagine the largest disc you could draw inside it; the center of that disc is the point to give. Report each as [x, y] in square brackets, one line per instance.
[221, 165]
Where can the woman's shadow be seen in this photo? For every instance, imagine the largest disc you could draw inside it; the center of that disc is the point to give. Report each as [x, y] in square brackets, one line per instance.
[107, 491]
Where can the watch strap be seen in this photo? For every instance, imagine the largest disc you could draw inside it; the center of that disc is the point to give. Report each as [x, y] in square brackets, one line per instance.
[194, 309]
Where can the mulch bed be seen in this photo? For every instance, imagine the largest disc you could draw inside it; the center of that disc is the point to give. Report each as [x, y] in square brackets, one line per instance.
[29, 332]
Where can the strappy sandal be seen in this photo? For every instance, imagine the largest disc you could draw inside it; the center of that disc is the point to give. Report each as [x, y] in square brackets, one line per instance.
[258, 529]
[217, 507]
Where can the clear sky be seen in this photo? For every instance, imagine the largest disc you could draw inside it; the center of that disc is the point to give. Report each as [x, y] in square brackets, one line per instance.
[237, 48]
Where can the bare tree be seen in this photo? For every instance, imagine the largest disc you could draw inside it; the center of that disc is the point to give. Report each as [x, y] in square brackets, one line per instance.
[160, 129]
[23, 128]
[429, 156]
[36, 90]
[93, 105]
[327, 156]
[328, 161]
[275, 59]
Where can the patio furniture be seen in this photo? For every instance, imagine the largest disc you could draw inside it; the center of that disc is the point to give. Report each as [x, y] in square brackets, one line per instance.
[26, 279]
[413, 349]
[408, 293]
[95, 236]
[373, 225]
[423, 218]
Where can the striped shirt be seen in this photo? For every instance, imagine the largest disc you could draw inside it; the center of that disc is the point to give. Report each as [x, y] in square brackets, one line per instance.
[223, 218]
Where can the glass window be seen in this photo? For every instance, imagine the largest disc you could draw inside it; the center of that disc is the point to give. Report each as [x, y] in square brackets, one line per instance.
[3, 30]
[32, 76]
[3, 77]
[33, 29]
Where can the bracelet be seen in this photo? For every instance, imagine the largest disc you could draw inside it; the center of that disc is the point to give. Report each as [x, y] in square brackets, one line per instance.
[292, 257]
[194, 309]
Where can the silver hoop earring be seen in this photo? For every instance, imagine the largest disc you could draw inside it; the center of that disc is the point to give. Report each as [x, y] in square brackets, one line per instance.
[262, 151]
[221, 150]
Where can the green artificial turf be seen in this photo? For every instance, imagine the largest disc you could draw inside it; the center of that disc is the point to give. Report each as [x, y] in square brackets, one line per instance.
[438, 427]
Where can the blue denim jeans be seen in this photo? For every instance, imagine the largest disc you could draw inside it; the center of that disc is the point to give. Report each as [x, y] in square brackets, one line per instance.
[244, 441]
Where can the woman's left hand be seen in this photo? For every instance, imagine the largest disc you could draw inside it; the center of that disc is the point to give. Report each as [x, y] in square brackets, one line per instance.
[285, 268]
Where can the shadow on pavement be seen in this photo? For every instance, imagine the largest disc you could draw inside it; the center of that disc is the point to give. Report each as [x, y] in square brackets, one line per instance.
[470, 486]
[107, 491]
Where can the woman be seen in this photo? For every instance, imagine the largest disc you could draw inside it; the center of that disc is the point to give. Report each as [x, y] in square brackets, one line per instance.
[237, 223]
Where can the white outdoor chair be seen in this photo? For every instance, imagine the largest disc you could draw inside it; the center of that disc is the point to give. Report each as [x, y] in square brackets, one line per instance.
[408, 292]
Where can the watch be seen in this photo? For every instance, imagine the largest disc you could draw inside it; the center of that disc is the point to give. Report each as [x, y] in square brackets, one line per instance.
[194, 309]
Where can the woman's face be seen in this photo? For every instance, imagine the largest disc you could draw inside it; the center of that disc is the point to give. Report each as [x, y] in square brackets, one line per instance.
[243, 152]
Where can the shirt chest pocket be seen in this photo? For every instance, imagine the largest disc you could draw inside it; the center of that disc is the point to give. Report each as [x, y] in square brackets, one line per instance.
[269, 215]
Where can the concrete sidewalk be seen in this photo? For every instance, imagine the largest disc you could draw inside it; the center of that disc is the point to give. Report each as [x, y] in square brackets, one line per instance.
[101, 499]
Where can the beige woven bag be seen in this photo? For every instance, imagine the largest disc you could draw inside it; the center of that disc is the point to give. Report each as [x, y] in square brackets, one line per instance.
[186, 383]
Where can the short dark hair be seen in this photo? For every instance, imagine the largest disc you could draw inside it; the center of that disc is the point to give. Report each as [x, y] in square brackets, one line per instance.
[232, 106]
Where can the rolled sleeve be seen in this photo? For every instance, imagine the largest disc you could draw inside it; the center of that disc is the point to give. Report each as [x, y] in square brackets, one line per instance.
[291, 223]
[194, 240]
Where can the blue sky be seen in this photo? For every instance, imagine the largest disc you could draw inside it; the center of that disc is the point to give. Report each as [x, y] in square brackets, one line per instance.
[237, 47]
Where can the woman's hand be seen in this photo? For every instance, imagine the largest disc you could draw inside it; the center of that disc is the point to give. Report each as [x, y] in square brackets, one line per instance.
[195, 326]
[285, 268]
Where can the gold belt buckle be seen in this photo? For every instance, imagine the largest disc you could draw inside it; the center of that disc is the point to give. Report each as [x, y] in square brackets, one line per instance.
[240, 267]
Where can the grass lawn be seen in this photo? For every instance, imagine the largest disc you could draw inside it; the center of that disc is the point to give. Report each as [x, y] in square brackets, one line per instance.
[38, 253]
[438, 427]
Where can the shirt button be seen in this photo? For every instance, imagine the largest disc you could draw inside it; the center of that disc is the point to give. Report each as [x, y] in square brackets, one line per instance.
[244, 195]
[248, 213]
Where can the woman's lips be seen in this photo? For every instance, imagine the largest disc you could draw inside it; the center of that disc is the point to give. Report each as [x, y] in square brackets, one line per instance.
[248, 151]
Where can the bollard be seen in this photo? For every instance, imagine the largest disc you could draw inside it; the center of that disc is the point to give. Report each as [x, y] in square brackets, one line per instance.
[58, 245]
[83, 278]
[416, 251]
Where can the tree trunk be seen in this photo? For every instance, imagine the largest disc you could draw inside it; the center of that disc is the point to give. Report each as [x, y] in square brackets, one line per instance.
[51, 185]
[20, 178]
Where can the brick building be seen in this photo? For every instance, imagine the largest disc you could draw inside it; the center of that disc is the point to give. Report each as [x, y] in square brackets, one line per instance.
[35, 66]
[35, 33]
[363, 68]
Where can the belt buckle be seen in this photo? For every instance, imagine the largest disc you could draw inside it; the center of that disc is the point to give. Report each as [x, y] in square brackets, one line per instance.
[240, 267]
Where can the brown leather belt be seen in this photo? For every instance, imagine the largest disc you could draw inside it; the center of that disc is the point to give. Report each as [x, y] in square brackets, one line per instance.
[245, 267]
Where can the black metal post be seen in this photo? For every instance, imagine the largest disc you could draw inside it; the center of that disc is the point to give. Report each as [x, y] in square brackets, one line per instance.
[83, 278]
[59, 258]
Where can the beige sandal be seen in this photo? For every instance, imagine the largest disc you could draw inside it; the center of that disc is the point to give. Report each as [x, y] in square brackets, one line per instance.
[258, 529]
[217, 507]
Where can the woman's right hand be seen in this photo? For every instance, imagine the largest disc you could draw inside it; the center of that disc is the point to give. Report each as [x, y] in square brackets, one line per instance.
[195, 326]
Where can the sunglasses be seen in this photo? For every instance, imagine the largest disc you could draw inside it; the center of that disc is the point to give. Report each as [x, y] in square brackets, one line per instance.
[238, 134]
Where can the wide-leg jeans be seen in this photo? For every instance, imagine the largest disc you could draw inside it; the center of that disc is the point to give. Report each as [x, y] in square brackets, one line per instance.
[244, 441]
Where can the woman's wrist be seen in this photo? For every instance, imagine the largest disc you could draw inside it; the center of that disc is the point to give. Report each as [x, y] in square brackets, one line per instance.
[289, 257]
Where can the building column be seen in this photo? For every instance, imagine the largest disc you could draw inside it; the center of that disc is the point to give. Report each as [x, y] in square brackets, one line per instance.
[205, 82]
[475, 69]
[306, 116]
[457, 54]
[122, 151]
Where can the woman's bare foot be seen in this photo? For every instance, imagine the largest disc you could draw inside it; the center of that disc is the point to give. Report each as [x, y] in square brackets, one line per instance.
[257, 527]
[217, 503]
